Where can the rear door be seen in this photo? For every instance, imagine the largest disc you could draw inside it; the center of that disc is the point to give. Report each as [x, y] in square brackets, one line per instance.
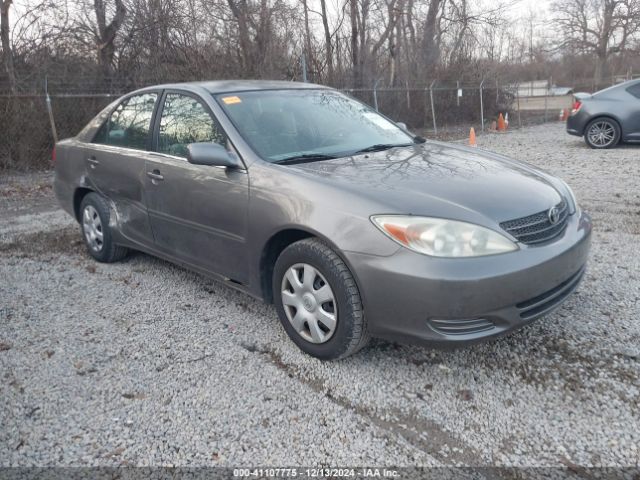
[631, 128]
[198, 213]
[115, 162]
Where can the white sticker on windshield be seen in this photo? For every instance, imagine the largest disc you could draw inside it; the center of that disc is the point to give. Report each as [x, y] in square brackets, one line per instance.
[379, 121]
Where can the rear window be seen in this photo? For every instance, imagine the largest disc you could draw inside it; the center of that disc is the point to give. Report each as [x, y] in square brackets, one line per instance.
[129, 124]
[634, 90]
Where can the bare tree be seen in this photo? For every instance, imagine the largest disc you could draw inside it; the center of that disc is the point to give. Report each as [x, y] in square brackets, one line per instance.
[349, 43]
[327, 41]
[355, 46]
[94, 29]
[307, 32]
[7, 51]
[105, 33]
[364, 45]
[597, 27]
[431, 43]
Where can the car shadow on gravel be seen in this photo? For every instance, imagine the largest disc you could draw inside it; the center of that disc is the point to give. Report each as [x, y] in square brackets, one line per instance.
[65, 241]
[581, 145]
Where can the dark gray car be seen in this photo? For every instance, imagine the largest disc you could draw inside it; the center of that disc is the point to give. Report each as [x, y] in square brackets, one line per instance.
[301, 196]
[607, 117]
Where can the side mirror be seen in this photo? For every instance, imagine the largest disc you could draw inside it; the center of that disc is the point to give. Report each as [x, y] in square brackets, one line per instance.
[208, 153]
[402, 125]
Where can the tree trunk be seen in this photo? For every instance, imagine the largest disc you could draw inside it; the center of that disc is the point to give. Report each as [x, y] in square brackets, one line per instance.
[328, 43]
[363, 54]
[240, 14]
[262, 40]
[431, 49]
[463, 20]
[106, 34]
[410, 43]
[7, 52]
[355, 57]
[393, 59]
[606, 31]
[307, 31]
[601, 69]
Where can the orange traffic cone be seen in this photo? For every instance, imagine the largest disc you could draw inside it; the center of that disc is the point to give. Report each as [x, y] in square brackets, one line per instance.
[472, 138]
[501, 125]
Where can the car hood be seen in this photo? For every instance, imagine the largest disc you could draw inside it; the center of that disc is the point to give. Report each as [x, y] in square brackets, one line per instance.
[443, 180]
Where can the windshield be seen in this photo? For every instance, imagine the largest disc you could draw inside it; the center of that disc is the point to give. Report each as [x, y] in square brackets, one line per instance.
[282, 125]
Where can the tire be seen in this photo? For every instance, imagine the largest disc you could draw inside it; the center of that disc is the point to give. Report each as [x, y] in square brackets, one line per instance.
[96, 233]
[601, 133]
[316, 266]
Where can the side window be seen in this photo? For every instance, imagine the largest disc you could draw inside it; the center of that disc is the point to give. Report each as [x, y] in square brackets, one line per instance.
[634, 90]
[129, 124]
[185, 120]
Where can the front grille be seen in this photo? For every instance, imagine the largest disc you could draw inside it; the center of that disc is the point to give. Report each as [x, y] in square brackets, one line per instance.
[461, 327]
[537, 228]
[550, 299]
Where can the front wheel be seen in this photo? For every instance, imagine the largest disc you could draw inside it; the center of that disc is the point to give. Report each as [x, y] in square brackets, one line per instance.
[602, 133]
[318, 301]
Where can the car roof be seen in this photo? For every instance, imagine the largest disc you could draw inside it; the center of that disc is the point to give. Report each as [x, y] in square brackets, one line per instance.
[618, 87]
[228, 86]
[627, 83]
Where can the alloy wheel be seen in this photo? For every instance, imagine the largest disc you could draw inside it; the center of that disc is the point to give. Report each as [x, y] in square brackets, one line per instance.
[309, 303]
[92, 227]
[602, 134]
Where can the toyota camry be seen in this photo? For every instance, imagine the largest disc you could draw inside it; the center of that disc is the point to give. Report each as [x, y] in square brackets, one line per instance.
[304, 197]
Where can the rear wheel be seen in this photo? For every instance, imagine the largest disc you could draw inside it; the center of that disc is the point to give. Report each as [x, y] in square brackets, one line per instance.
[318, 301]
[602, 133]
[94, 222]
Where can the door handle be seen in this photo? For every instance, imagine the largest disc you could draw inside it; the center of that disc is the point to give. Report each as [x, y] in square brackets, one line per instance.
[93, 161]
[155, 175]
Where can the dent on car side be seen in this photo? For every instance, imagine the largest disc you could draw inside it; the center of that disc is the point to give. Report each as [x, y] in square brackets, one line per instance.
[404, 294]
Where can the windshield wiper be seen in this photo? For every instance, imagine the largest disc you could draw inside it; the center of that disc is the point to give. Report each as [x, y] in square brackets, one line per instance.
[305, 157]
[378, 147]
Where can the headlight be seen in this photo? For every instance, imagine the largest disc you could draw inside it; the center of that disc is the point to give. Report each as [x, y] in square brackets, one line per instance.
[443, 238]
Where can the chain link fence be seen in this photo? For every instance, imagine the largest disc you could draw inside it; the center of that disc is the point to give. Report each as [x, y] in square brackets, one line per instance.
[26, 130]
[450, 111]
[441, 110]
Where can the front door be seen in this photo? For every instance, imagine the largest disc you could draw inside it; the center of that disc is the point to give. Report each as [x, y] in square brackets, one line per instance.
[115, 163]
[198, 213]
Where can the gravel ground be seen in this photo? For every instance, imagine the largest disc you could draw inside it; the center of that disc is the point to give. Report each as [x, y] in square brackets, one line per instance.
[144, 363]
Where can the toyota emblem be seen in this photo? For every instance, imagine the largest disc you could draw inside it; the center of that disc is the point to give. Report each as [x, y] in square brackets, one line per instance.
[554, 215]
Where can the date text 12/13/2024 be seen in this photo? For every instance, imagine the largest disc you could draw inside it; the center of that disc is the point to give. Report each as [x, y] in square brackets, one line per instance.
[315, 472]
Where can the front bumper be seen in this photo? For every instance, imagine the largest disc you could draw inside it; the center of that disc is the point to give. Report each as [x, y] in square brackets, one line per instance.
[419, 299]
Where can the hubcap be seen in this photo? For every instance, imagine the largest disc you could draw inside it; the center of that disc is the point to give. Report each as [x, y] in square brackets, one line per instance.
[309, 303]
[92, 227]
[602, 134]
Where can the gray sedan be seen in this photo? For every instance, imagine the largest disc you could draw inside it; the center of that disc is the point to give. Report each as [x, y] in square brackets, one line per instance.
[607, 117]
[304, 197]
